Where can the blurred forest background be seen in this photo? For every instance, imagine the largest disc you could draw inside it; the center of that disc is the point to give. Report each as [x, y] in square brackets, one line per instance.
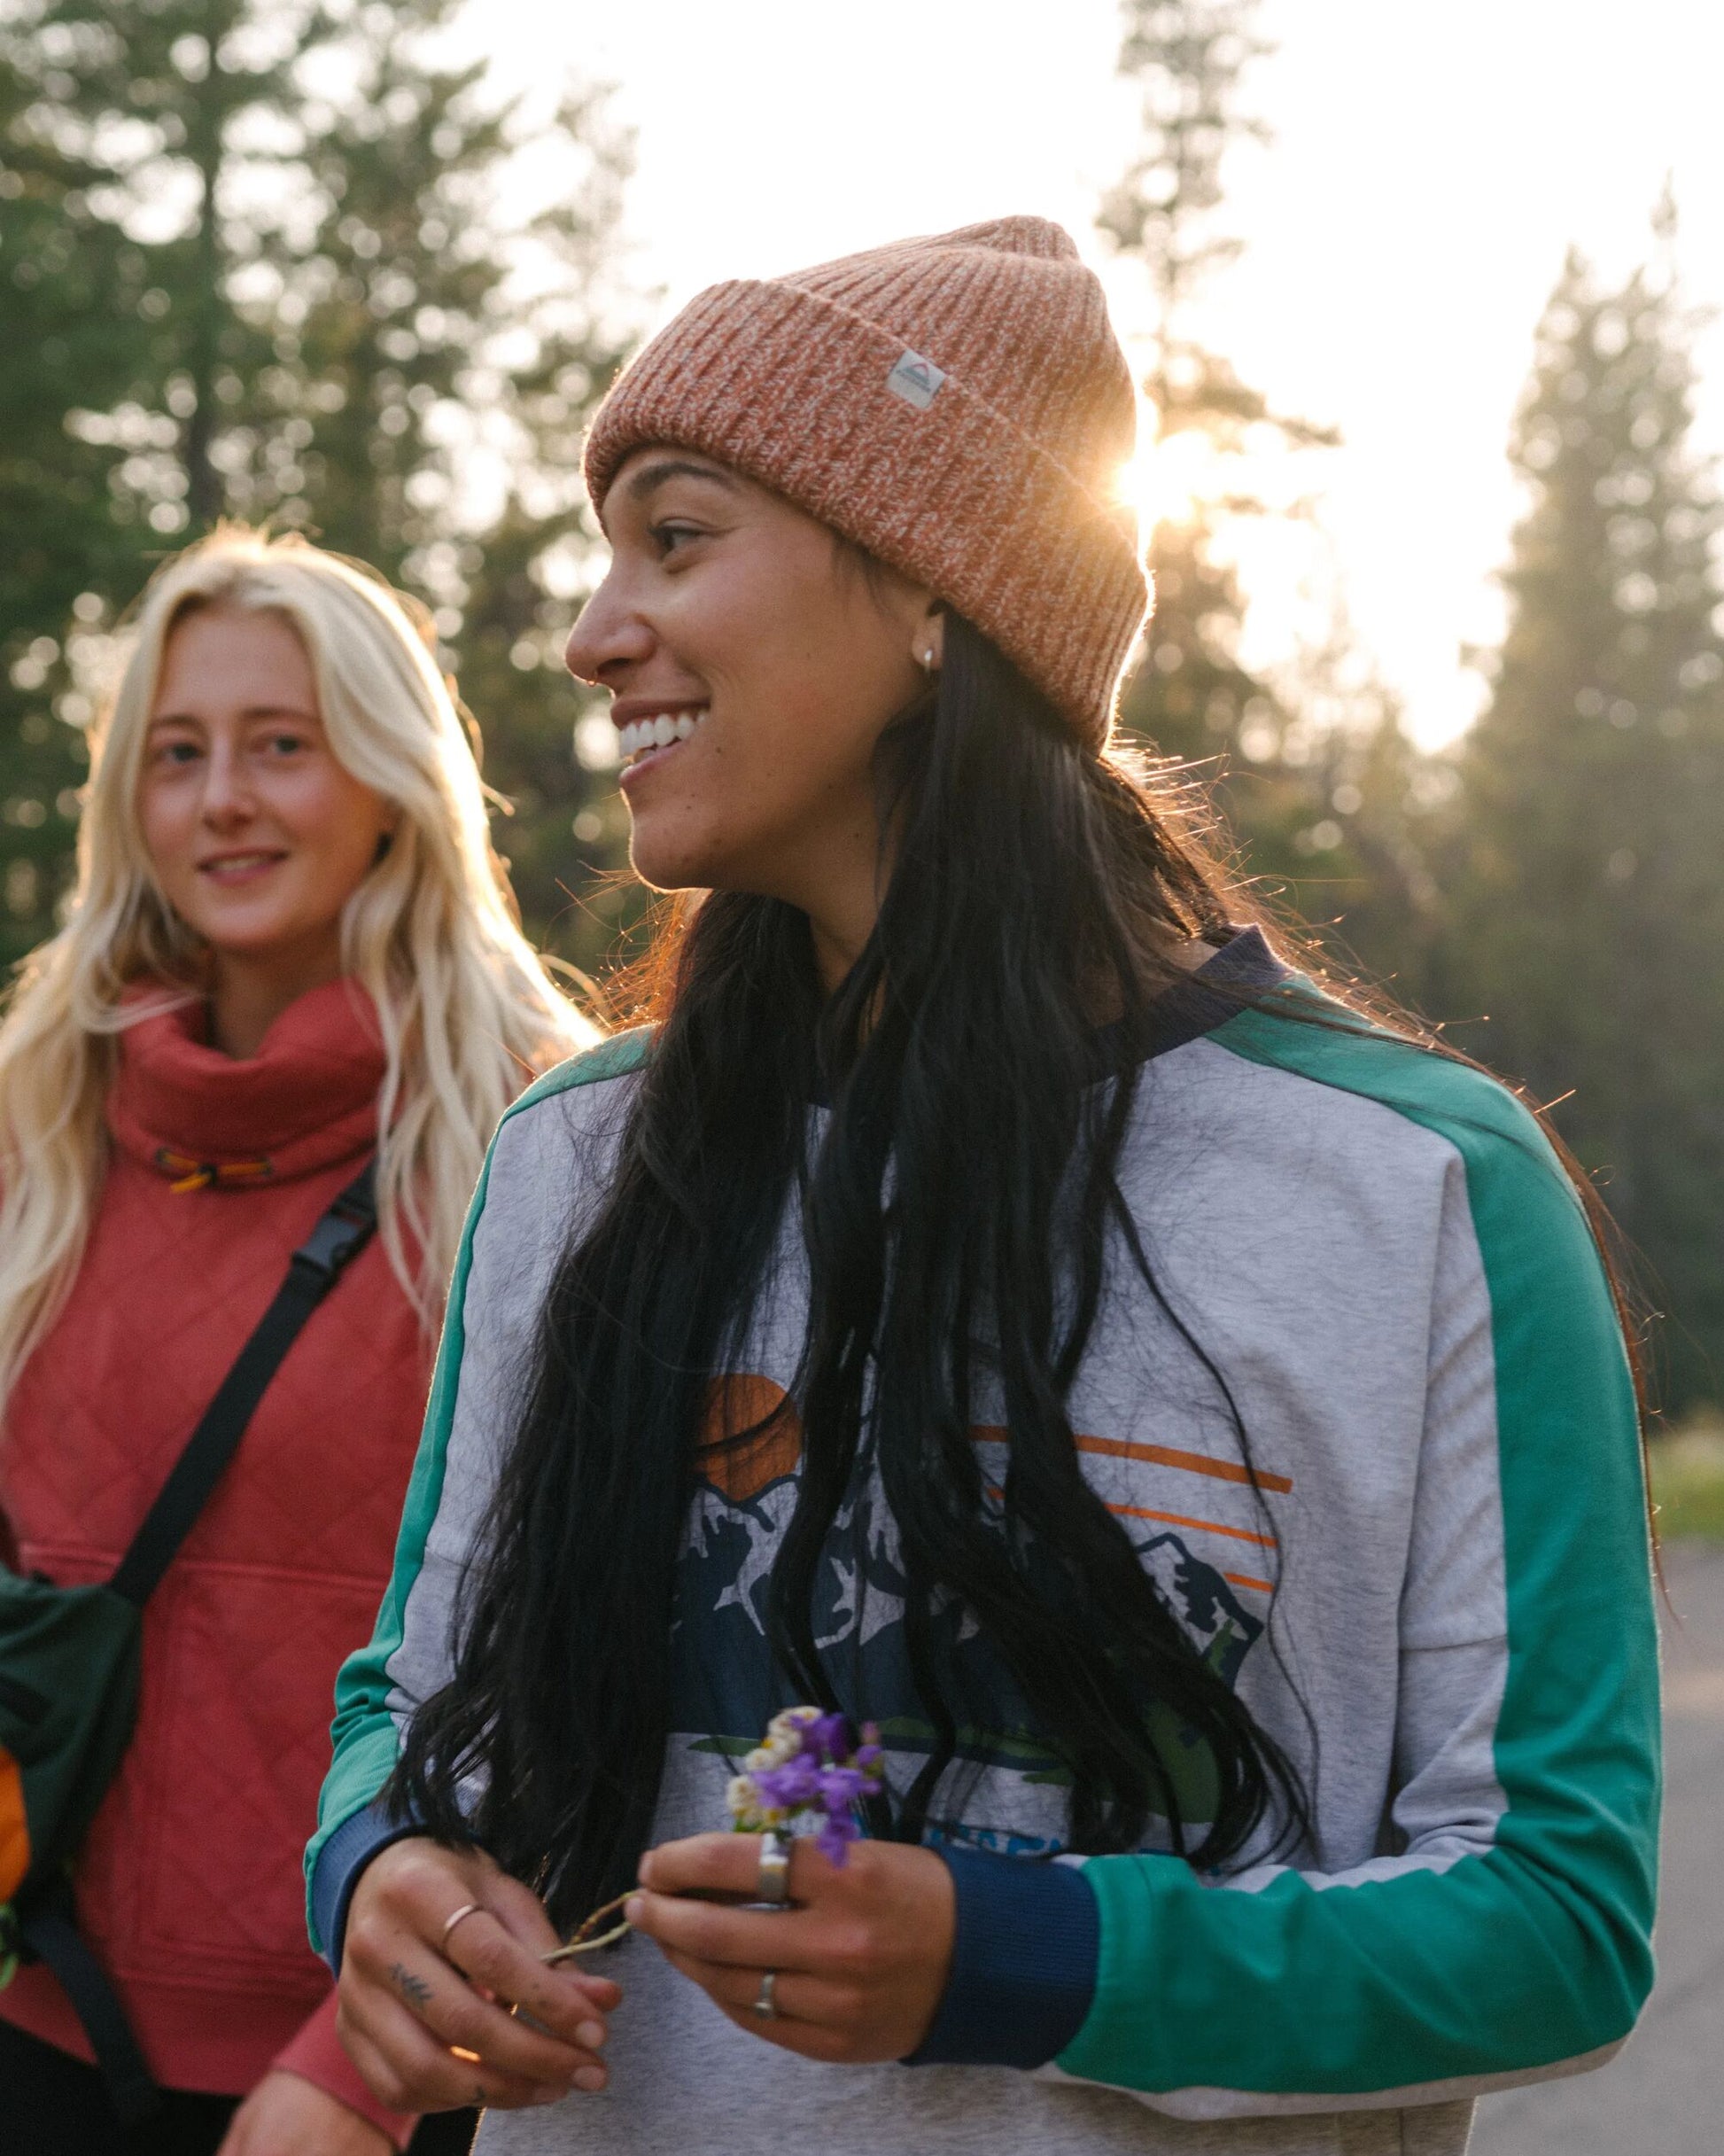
[264, 258]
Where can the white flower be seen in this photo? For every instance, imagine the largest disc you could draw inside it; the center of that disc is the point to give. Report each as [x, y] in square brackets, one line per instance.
[783, 1738]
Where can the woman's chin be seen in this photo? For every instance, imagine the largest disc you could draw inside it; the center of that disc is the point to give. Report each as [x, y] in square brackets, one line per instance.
[669, 863]
[271, 940]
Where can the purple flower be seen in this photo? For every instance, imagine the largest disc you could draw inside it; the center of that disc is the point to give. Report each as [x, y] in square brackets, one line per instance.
[788, 1787]
[829, 1738]
[839, 1787]
[829, 1768]
[837, 1832]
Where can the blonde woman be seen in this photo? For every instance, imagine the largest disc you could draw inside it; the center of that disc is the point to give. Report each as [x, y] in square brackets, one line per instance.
[291, 947]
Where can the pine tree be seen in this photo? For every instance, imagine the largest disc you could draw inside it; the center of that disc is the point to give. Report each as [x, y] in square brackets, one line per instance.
[1363, 873]
[184, 101]
[414, 352]
[1315, 781]
[1188, 58]
[1587, 906]
[355, 336]
[71, 290]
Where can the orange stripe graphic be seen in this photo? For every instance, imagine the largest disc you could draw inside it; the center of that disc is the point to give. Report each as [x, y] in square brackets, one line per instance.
[1209, 1527]
[1244, 1579]
[752, 1436]
[1174, 1519]
[1193, 1463]
[1161, 1456]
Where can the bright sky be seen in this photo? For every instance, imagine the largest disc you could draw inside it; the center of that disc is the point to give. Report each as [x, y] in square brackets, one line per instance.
[1430, 167]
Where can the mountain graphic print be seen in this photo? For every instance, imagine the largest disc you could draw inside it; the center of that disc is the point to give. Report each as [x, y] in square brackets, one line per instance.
[1007, 1782]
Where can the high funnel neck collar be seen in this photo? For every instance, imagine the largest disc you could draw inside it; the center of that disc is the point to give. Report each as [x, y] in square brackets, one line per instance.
[307, 1099]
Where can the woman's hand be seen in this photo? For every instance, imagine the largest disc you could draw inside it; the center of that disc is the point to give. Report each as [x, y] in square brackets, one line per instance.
[426, 2016]
[286, 2115]
[861, 1961]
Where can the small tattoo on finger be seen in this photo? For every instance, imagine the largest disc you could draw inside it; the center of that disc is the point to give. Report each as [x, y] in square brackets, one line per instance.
[413, 1988]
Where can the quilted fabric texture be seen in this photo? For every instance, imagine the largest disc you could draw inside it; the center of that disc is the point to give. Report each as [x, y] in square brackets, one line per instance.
[189, 1883]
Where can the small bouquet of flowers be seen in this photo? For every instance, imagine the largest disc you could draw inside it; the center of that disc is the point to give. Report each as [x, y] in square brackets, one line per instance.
[806, 1778]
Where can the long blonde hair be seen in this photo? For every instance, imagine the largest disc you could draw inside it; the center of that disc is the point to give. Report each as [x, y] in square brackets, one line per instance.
[467, 1011]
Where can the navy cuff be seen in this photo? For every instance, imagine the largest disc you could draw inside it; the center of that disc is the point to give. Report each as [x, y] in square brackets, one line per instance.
[340, 1863]
[1023, 1961]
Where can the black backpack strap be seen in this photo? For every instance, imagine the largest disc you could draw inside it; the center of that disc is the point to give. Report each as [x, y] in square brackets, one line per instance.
[52, 1937]
[49, 1931]
[341, 1234]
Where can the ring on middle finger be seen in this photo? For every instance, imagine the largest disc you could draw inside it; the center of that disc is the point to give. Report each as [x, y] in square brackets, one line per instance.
[772, 1886]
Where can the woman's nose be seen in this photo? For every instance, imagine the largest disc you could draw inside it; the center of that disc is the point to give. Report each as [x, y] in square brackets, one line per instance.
[609, 636]
[227, 794]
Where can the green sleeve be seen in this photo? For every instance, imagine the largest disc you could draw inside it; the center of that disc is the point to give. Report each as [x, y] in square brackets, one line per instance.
[1535, 1949]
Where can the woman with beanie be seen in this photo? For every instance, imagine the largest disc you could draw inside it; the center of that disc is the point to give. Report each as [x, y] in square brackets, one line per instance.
[290, 948]
[995, 1299]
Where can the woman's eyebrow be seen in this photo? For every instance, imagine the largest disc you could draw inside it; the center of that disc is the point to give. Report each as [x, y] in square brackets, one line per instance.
[641, 484]
[252, 710]
[676, 468]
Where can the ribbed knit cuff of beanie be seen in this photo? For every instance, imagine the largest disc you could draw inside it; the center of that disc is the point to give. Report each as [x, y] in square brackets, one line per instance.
[957, 406]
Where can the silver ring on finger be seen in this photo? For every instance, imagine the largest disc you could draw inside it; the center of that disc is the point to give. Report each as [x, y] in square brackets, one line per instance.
[773, 1884]
[467, 1909]
[765, 2003]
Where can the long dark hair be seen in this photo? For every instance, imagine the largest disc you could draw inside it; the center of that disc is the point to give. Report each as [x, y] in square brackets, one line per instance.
[958, 1211]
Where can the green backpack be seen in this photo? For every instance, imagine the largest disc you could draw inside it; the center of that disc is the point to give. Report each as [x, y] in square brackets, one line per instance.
[69, 1661]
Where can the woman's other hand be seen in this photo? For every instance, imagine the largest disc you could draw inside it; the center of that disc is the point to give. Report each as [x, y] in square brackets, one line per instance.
[861, 1961]
[286, 2115]
[426, 2013]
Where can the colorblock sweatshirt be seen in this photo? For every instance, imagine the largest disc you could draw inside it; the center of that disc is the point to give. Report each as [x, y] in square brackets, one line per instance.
[1413, 1539]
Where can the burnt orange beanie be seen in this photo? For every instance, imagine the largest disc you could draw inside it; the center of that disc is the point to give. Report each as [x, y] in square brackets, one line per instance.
[958, 406]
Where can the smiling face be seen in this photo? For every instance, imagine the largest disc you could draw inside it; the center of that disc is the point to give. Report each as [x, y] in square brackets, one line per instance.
[257, 835]
[753, 670]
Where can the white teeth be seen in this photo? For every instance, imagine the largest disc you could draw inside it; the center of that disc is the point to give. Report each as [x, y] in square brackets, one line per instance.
[642, 735]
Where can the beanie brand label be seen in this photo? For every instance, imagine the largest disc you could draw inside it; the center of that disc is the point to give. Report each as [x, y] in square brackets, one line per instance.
[917, 380]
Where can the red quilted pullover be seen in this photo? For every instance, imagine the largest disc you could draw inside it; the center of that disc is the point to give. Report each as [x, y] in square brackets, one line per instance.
[189, 1884]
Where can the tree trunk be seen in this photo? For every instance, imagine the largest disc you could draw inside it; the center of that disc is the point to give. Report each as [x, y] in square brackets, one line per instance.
[204, 487]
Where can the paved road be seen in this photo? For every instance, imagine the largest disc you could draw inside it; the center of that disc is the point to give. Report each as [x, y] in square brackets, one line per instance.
[1663, 2095]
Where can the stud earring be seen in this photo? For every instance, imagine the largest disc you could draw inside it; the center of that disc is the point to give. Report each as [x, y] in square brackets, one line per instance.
[928, 662]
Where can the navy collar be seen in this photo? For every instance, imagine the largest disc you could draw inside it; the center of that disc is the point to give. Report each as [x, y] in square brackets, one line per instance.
[1242, 970]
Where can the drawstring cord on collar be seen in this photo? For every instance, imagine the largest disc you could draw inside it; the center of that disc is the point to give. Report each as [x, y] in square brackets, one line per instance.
[202, 1174]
